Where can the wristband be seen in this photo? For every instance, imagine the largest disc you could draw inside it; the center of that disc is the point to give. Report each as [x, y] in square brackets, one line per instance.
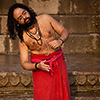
[61, 40]
[36, 66]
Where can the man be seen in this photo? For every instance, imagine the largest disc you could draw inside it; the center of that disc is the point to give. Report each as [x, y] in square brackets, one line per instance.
[37, 34]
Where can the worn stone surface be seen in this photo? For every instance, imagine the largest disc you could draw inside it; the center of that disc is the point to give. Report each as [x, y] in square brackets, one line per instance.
[14, 79]
[10, 83]
[8, 45]
[2, 44]
[25, 79]
[3, 24]
[13, 45]
[81, 80]
[75, 44]
[3, 79]
[71, 79]
[58, 6]
[92, 79]
[77, 23]
[82, 72]
[79, 6]
[4, 5]
[85, 98]
[75, 15]
[74, 24]
[82, 44]
[46, 6]
[83, 77]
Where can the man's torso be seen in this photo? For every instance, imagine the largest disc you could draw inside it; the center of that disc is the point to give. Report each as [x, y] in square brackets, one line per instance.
[47, 35]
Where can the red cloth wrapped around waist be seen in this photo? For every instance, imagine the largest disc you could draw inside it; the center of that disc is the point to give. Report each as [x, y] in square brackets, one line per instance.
[50, 59]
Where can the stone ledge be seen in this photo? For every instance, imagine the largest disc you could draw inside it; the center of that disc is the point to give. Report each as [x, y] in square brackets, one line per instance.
[85, 98]
[73, 23]
[86, 43]
[76, 43]
[7, 79]
[19, 86]
[79, 23]
[57, 6]
[81, 80]
[77, 78]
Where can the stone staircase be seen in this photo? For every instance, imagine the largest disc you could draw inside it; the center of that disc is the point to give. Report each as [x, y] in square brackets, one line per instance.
[84, 78]
[82, 49]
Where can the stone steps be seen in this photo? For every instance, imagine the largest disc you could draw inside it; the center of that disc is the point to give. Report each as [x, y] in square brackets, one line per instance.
[81, 24]
[83, 96]
[76, 43]
[83, 71]
[17, 97]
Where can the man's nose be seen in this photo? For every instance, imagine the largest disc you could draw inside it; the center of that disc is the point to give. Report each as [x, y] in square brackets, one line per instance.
[24, 16]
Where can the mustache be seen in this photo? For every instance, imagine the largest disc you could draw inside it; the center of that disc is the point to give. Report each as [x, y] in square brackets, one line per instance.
[26, 19]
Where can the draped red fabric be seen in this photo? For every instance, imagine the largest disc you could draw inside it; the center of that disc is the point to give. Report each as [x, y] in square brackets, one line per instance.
[53, 85]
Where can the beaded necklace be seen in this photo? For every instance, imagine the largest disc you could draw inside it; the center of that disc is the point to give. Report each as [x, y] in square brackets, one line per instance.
[31, 35]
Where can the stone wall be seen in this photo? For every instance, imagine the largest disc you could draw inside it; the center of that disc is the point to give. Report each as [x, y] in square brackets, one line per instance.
[80, 17]
[21, 83]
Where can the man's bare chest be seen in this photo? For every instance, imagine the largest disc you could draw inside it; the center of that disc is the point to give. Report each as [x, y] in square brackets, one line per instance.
[37, 41]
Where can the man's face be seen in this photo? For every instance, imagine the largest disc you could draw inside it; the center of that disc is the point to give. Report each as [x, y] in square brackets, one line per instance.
[23, 17]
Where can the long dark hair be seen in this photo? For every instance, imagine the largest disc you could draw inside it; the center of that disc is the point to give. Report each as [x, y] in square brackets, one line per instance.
[13, 25]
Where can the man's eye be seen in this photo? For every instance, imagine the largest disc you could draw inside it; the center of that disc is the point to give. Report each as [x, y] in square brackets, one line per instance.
[20, 18]
[24, 13]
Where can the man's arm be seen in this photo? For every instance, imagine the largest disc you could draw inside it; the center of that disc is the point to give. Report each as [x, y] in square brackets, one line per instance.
[24, 59]
[58, 28]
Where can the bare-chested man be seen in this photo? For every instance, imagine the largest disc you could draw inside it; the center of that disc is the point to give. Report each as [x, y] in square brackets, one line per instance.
[37, 34]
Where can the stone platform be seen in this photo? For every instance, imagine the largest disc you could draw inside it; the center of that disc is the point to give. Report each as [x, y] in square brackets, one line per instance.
[83, 71]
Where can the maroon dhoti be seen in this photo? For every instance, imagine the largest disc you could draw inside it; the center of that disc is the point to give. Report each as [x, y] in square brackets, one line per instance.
[53, 85]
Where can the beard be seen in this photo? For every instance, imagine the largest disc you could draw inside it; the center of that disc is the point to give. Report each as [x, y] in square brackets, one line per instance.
[28, 24]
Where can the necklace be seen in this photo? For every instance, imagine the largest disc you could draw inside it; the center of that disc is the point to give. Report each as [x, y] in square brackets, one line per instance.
[31, 35]
[47, 46]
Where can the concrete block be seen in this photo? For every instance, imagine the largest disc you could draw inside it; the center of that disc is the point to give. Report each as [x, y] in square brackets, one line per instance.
[40, 6]
[2, 44]
[13, 45]
[74, 24]
[75, 44]
[0, 24]
[8, 45]
[3, 24]
[0, 6]
[56, 6]
[44, 6]
[77, 23]
[79, 7]
[5, 4]
[82, 44]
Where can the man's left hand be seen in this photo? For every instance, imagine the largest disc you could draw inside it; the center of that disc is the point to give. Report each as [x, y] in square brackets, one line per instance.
[55, 44]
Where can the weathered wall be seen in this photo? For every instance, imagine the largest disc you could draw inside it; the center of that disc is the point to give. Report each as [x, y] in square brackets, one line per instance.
[77, 16]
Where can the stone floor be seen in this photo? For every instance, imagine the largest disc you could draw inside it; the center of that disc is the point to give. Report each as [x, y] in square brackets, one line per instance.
[75, 62]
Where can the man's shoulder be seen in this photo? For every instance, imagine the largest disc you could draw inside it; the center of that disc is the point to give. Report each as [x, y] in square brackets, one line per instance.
[45, 16]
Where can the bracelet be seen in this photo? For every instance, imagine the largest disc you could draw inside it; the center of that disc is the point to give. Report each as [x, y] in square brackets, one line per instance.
[36, 66]
[61, 40]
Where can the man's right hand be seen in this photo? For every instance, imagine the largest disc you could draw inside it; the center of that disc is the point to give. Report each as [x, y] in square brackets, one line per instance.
[43, 66]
